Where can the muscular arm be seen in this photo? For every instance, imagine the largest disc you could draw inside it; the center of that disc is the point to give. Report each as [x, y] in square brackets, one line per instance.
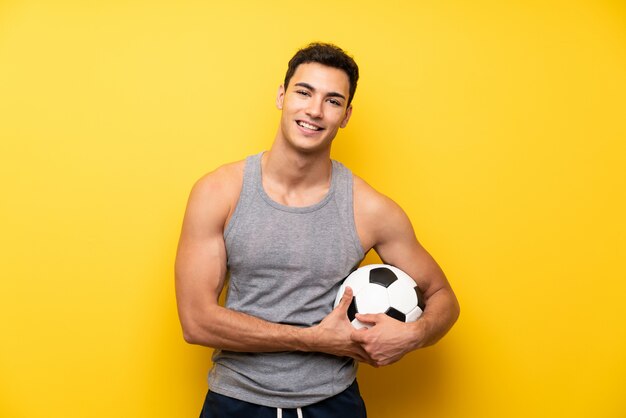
[200, 276]
[384, 226]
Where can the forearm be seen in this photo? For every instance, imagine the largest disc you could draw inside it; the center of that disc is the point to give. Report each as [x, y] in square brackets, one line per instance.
[442, 311]
[223, 328]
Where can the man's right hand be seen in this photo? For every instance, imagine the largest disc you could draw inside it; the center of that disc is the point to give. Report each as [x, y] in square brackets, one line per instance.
[332, 335]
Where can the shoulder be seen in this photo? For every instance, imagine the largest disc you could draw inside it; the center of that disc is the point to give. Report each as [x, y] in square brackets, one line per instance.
[227, 178]
[370, 202]
[376, 216]
[215, 194]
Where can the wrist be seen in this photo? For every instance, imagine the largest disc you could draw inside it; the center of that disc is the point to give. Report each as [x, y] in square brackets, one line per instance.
[304, 339]
[419, 333]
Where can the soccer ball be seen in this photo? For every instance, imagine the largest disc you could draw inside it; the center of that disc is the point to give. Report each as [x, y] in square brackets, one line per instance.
[381, 288]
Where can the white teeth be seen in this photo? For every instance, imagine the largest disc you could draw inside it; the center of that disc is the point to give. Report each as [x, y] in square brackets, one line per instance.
[308, 126]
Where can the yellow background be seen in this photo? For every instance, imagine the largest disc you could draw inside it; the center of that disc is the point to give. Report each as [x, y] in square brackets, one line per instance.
[498, 126]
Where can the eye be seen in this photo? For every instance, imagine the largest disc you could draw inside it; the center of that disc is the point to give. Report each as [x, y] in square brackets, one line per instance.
[303, 92]
[335, 102]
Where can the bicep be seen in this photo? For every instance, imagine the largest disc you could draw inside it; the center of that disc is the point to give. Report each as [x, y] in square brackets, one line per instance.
[201, 257]
[397, 245]
[200, 267]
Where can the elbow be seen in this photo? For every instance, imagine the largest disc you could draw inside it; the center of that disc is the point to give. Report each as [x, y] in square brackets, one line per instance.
[195, 334]
[456, 311]
[198, 328]
[192, 333]
[190, 337]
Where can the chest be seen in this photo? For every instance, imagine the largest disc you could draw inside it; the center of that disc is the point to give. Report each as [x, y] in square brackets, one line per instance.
[287, 239]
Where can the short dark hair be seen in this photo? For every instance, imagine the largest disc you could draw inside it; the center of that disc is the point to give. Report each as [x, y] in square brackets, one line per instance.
[329, 55]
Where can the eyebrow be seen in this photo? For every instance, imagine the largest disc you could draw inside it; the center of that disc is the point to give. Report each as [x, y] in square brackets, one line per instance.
[310, 87]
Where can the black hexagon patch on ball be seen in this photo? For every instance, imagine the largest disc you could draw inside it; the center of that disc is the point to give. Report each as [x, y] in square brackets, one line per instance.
[382, 276]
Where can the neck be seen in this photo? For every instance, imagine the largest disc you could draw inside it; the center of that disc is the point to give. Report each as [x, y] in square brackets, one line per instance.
[294, 169]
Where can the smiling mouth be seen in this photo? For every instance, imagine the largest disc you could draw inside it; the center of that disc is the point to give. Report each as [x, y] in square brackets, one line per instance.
[309, 126]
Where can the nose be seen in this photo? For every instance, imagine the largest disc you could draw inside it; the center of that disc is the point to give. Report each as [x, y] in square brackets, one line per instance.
[314, 109]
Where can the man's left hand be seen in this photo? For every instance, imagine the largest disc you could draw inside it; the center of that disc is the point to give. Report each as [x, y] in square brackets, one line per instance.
[388, 340]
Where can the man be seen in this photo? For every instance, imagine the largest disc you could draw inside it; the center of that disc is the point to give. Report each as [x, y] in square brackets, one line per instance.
[288, 225]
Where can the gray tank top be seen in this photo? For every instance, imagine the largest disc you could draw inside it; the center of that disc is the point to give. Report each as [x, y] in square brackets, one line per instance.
[286, 265]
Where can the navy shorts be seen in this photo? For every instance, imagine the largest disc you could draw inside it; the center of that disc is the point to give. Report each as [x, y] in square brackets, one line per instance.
[347, 404]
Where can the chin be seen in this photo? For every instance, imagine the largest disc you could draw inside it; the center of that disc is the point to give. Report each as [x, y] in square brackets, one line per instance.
[310, 147]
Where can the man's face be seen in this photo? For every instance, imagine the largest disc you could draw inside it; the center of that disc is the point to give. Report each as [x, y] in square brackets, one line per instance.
[314, 106]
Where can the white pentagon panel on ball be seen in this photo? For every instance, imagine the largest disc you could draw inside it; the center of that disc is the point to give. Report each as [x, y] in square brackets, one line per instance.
[414, 314]
[402, 296]
[357, 280]
[372, 299]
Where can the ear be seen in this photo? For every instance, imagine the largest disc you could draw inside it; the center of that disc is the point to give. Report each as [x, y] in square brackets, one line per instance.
[280, 97]
[346, 118]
